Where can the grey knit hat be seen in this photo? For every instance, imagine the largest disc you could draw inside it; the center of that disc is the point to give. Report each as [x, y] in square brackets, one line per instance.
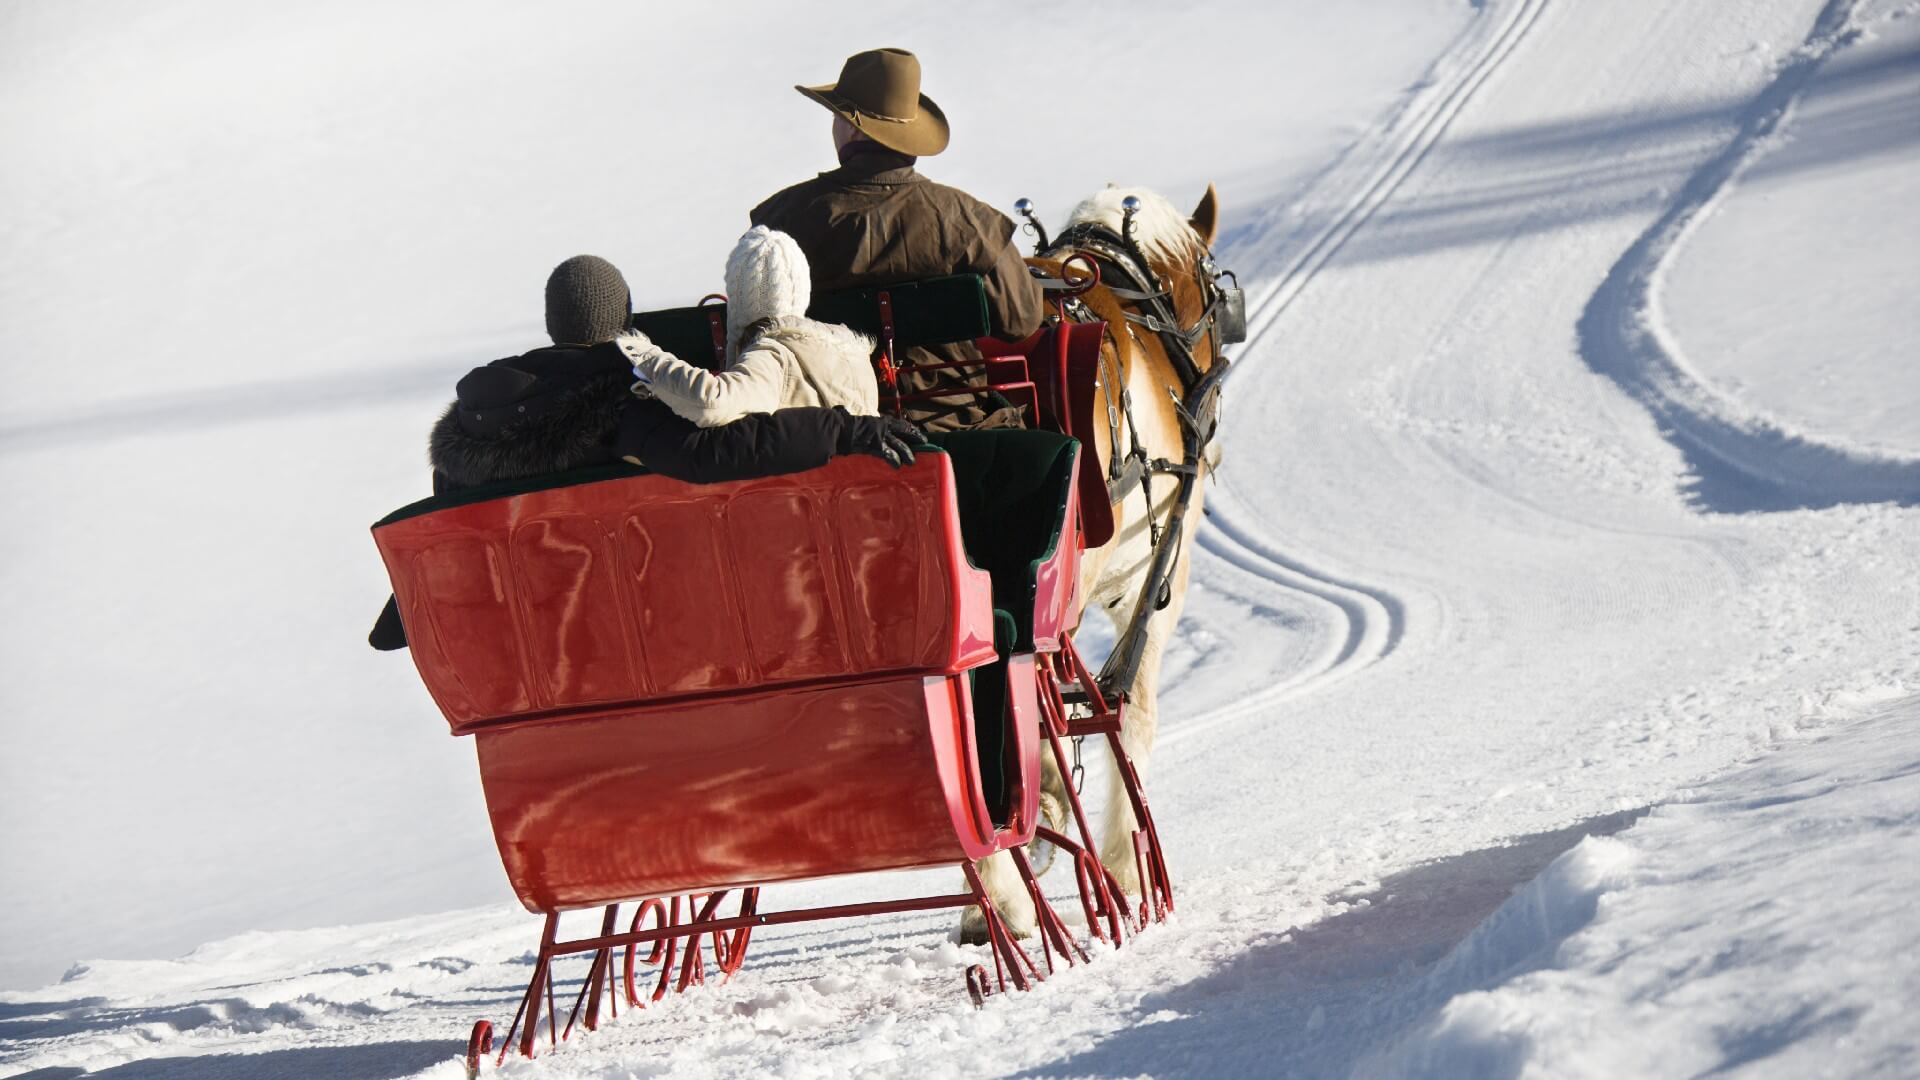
[587, 302]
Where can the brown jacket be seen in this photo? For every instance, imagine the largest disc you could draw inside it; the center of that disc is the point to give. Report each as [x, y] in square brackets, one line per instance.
[875, 221]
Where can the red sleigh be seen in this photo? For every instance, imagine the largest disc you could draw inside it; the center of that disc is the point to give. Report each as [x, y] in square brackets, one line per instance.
[680, 692]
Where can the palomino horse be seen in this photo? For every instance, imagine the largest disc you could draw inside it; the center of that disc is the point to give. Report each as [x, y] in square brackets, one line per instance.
[1145, 384]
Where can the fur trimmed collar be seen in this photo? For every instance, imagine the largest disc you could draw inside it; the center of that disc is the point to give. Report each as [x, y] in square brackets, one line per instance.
[797, 332]
[574, 423]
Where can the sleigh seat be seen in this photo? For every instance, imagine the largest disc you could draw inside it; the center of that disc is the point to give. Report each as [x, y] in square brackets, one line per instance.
[1019, 518]
[677, 688]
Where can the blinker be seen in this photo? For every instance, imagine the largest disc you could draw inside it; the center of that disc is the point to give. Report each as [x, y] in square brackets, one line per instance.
[1230, 316]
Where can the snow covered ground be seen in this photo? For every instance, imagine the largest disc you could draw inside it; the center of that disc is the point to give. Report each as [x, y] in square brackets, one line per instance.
[1814, 361]
[1569, 468]
[1736, 929]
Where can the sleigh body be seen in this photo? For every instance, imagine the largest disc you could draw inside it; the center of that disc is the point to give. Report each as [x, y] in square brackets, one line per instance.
[680, 693]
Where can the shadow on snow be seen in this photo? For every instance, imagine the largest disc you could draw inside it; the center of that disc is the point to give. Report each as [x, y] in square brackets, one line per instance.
[373, 1061]
[1312, 1005]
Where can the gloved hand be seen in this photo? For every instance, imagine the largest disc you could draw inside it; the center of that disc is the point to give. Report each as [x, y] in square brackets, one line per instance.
[888, 438]
[644, 355]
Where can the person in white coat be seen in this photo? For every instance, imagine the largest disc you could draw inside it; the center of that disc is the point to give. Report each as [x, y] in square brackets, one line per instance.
[776, 356]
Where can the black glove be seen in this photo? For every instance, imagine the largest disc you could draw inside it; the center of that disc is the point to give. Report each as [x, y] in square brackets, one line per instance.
[888, 438]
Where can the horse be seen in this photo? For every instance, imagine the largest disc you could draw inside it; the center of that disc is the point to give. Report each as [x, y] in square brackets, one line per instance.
[1158, 384]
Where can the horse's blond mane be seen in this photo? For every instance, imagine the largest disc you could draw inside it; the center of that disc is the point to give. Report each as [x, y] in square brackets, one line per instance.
[1161, 231]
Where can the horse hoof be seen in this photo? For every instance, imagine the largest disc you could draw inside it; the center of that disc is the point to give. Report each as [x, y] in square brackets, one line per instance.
[1053, 815]
[973, 927]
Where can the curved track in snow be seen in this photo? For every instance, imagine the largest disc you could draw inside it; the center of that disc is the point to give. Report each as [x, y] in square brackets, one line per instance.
[1373, 616]
[1742, 460]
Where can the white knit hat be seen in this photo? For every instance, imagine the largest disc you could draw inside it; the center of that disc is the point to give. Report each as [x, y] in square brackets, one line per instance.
[767, 277]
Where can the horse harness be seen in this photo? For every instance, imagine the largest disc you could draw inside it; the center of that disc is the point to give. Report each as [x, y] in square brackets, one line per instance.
[1125, 272]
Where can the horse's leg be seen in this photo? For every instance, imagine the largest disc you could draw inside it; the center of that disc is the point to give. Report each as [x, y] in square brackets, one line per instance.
[1136, 737]
[1053, 811]
[1143, 718]
[1001, 878]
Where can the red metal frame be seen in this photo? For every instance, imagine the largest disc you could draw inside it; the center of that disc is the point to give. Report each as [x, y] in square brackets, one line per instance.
[717, 325]
[887, 363]
[1054, 372]
[1067, 383]
[673, 937]
[1101, 717]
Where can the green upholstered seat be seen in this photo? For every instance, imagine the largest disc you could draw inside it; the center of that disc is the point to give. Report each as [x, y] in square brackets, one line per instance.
[685, 332]
[990, 720]
[930, 312]
[1013, 486]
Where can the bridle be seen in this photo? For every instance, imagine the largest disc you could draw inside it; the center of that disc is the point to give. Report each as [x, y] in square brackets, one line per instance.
[1128, 277]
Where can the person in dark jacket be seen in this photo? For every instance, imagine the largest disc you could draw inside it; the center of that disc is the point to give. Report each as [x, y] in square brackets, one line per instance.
[569, 405]
[876, 221]
[574, 403]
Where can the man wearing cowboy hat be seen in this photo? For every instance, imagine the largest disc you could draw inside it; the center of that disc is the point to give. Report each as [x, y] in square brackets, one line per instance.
[875, 221]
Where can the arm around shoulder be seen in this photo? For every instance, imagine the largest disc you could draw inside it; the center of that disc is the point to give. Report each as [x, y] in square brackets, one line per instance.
[756, 383]
[761, 444]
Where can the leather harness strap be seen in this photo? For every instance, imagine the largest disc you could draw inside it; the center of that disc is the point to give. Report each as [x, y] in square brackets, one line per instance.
[1126, 275]
[1123, 272]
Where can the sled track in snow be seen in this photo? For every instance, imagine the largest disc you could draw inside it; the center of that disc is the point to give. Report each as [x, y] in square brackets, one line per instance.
[1408, 137]
[1741, 461]
[1375, 617]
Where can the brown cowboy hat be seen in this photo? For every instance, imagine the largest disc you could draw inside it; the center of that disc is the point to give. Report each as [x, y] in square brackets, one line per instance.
[879, 94]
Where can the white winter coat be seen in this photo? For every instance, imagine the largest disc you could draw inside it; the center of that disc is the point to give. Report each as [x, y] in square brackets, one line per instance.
[777, 357]
[797, 361]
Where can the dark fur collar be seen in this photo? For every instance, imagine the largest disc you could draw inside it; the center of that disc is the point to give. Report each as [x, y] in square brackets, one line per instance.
[576, 429]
